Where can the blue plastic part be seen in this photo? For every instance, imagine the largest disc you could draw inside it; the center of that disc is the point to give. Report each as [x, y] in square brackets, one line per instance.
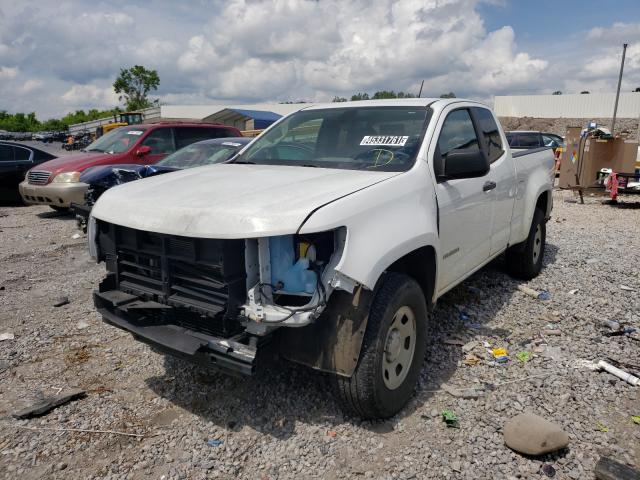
[295, 277]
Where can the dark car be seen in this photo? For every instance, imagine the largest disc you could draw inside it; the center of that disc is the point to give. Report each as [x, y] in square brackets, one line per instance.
[15, 160]
[524, 140]
[206, 152]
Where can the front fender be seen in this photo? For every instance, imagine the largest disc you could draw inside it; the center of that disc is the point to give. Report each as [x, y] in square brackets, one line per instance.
[384, 223]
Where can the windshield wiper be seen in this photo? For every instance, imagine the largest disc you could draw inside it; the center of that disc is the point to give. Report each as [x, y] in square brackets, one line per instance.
[93, 150]
[244, 162]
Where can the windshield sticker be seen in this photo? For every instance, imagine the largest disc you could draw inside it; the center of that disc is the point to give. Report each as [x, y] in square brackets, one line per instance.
[232, 144]
[135, 132]
[384, 140]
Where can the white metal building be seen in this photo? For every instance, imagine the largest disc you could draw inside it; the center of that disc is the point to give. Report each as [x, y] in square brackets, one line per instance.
[593, 105]
[193, 112]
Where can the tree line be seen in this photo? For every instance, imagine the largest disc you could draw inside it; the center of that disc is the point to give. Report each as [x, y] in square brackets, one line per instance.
[382, 94]
[132, 85]
[28, 122]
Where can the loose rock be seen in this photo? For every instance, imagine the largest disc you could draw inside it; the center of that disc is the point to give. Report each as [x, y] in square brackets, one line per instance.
[533, 435]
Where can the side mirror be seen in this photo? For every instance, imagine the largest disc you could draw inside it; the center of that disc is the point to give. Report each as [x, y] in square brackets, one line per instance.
[143, 150]
[464, 163]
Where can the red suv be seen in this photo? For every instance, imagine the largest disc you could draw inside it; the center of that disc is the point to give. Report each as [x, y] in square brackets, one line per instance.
[57, 182]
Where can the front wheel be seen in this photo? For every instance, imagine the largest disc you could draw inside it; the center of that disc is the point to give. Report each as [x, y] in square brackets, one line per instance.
[524, 260]
[392, 352]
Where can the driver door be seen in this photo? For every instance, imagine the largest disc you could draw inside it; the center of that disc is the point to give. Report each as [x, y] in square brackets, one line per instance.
[465, 204]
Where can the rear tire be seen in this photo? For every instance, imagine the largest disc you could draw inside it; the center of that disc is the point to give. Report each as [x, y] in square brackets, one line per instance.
[392, 352]
[524, 260]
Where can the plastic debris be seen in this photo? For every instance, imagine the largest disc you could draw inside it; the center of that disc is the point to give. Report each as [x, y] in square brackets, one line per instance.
[553, 332]
[602, 427]
[464, 317]
[524, 357]
[467, 347]
[622, 331]
[60, 301]
[215, 442]
[500, 354]
[471, 359]
[49, 403]
[76, 236]
[7, 336]
[332, 433]
[636, 419]
[450, 419]
[627, 288]
[574, 291]
[548, 470]
[543, 295]
[621, 374]
[612, 324]
[467, 393]
[608, 469]
[81, 325]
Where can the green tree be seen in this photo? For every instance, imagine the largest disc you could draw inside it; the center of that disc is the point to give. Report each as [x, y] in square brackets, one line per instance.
[359, 96]
[448, 95]
[134, 84]
[337, 99]
[557, 92]
[584, 92]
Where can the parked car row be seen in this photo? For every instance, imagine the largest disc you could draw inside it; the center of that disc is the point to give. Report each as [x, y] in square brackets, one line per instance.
[57, 182]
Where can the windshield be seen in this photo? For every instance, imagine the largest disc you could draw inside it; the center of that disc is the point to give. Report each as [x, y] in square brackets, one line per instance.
[354, 138]
[199, 154]
[117, 141]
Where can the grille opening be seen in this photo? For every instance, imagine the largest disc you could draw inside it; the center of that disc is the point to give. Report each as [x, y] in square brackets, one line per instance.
[203, 279]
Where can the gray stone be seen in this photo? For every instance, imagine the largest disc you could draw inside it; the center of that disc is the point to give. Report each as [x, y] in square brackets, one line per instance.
[533, 435]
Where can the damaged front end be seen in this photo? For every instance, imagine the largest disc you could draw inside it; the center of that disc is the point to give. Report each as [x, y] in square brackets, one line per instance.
[218, 302]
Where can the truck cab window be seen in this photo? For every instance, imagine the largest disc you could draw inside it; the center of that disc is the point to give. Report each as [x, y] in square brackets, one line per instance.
[457, 133]
[491, 135]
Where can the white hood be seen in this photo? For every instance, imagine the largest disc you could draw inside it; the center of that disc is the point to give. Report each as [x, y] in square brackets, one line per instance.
[229, 200]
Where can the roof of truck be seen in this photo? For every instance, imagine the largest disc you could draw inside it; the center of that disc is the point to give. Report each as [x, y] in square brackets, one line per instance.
[390, 102]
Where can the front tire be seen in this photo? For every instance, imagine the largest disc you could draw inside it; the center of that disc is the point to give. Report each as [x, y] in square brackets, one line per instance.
[524, 260]
[392, 352]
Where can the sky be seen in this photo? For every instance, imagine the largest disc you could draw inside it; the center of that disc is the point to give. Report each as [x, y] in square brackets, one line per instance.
[61, 56]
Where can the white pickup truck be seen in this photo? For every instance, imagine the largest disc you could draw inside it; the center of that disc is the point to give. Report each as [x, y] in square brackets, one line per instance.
[326, 240]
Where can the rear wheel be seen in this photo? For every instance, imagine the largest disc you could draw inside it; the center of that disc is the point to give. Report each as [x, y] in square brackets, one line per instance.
[524, 260]
[392, 352]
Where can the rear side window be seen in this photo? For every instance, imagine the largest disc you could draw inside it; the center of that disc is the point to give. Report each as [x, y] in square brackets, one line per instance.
[41, 156]
[525, 140]
[21, 154]
[457, 133]
[6, 153]
[188, 135]
[160, 141]
[490, 132]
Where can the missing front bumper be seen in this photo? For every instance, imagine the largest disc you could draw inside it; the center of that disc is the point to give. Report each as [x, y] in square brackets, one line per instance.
[127, 312]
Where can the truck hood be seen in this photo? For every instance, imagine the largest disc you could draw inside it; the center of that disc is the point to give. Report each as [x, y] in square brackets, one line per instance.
[230, 200]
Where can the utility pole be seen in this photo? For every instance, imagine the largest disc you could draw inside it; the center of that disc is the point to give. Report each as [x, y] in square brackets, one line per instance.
[615, 108]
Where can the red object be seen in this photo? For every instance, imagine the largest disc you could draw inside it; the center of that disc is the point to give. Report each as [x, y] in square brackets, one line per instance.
[135, 153]
[612, 186]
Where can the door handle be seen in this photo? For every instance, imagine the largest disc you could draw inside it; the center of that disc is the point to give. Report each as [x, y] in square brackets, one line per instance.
[488, 186]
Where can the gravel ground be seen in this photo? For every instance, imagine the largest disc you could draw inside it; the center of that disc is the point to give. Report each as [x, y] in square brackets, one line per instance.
[283, 423]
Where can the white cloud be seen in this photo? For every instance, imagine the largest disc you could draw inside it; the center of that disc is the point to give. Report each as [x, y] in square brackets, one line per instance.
[244, 50]
[8, 72]
[89, 95]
